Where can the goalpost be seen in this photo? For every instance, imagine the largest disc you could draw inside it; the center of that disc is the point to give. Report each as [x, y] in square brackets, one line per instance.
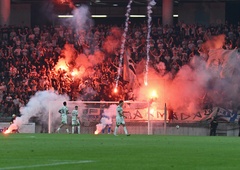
[91, 112]
[86, 110]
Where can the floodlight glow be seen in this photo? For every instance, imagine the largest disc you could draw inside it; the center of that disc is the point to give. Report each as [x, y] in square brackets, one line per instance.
[99, 16]
[93, 16]
[65, 16]
[175, 15]
[137, 16]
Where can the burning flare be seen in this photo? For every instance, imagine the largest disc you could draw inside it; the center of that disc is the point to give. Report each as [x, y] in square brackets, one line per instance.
[12, 128]
[115, 90]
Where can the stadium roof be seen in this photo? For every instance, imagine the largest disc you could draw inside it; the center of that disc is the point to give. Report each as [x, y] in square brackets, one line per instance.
[115, 2]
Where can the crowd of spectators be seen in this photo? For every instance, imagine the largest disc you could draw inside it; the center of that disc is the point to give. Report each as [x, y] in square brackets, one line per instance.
[28, 57]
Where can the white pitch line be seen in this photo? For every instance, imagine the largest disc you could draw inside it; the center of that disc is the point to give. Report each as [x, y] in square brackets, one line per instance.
[45, 165]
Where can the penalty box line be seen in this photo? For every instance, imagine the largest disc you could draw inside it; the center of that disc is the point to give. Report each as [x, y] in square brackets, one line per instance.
[46, 165]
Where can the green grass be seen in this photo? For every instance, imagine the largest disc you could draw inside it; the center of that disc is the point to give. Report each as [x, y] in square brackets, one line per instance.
[107, 152]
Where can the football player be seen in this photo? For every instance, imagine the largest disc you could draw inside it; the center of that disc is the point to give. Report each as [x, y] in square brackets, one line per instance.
[75, 120]
[64, 112]
[120, 119]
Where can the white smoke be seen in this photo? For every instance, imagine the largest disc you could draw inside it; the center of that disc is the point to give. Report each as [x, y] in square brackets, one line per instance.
[149, 12]
[124, 40]
[81, 18]
[39, 106]
[106, 119]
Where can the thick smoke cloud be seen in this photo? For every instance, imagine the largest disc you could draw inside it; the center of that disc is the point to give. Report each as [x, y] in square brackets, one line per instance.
[198, 83]
[107, 116]
[39, 106]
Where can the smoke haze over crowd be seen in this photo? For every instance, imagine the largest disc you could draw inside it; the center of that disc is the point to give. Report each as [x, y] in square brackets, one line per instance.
[214, 81]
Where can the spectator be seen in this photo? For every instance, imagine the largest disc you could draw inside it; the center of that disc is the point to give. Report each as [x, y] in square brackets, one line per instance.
[239, 126]
[213, 126]
[28, 57]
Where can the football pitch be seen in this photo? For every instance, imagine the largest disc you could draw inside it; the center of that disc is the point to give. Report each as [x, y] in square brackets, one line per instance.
[108, 152]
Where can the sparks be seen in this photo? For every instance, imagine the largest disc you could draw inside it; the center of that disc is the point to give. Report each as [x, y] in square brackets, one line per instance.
[124, 40]
[145, 80]
[145, 83]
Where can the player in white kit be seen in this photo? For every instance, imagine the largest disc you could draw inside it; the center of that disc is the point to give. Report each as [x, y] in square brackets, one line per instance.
[120, 119]
[64, 112]
[75, 120]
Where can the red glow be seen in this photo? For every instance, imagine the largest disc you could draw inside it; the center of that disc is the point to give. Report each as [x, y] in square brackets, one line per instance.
[7, 131]
[96, 132]
[154, 94]
[63, 1]
[152, 110]
[115, 90]
[11, 129]
[61, 65]
[74, 73]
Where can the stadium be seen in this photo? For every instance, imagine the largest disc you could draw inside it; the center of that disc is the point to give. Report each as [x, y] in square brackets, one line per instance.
[174, 63]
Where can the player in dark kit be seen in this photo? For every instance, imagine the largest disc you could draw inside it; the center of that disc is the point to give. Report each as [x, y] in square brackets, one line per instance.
[15, 130]
[13, 118]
